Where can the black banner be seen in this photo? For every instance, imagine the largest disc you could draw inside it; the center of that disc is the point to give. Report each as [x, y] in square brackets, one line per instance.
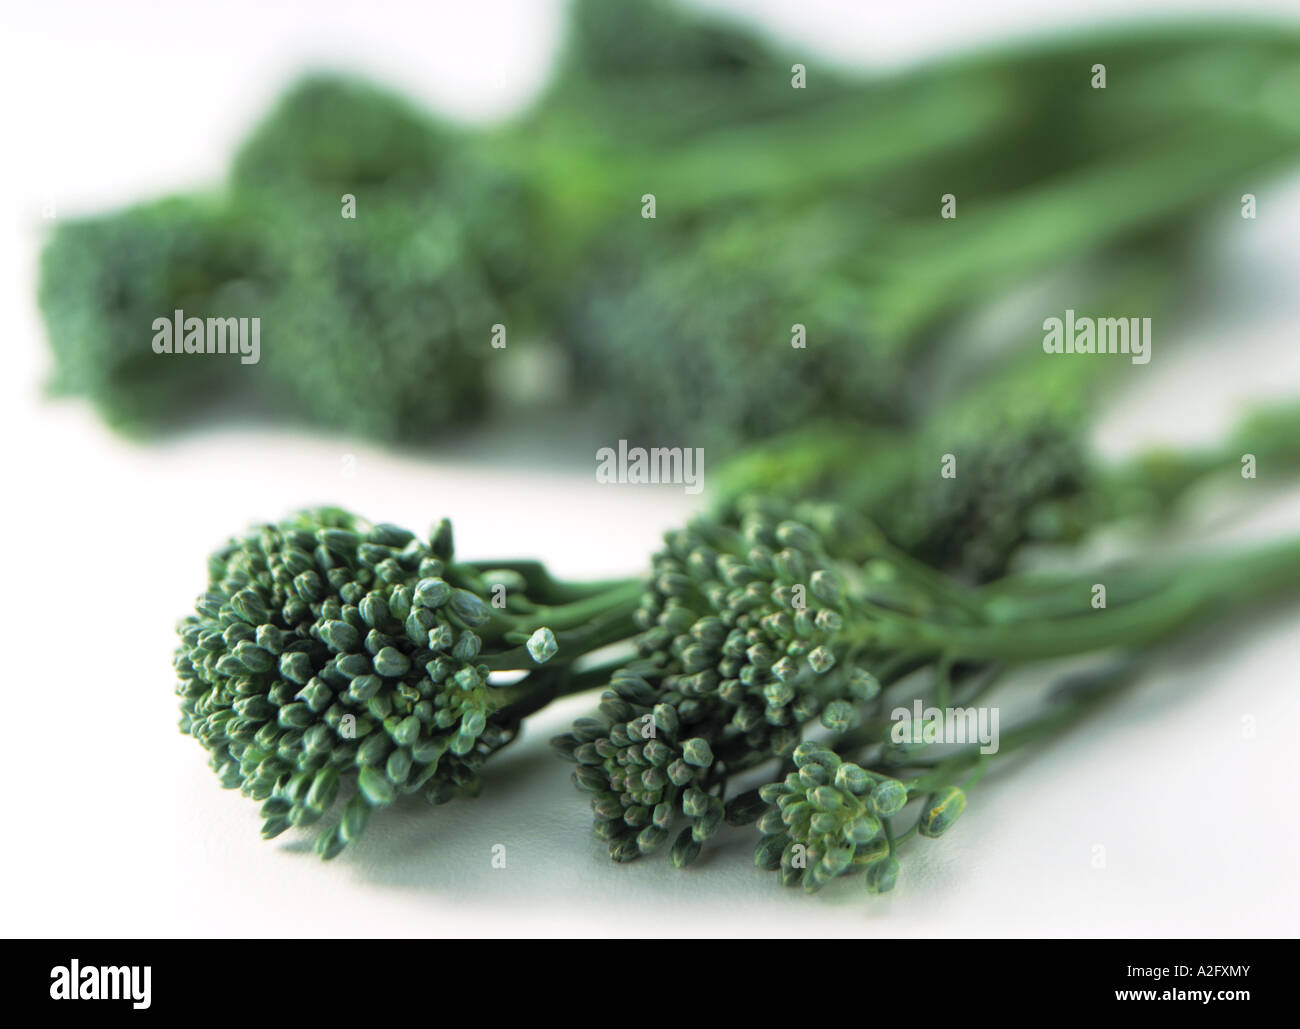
[161, 979]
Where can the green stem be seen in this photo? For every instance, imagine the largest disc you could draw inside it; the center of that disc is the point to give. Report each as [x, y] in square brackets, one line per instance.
[612, 625]
[543, 587]
[540, 688]
[579, 627]
[1195, 590]
[621, 598]
[1051, 722]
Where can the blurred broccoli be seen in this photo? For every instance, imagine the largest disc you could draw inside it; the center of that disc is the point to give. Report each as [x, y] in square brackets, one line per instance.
[380, 325]
[1007, 483]
[1023, 470]
[701, 327]
[777, 207]
[335, 134]
[682, 324]
[658, 70]
[103, 281]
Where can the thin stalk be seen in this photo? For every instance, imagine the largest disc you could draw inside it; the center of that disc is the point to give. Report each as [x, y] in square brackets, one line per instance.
[543, 585]
[1193, 591]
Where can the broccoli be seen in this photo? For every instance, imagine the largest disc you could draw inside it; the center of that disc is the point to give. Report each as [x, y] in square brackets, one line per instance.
[776, 206]
[331, 134]
[658, 72]
[379, 323]
[334, 660]
[1023, 470]
[756, 627]
[705, 334]
[685, 324]
[333, 665]
[103, 281]
[380, 326]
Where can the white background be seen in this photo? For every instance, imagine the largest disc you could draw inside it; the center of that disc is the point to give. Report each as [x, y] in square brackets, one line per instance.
[114, 826]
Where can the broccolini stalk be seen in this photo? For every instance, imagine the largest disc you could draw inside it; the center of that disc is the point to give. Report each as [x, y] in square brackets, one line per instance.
[831, 816]
[870, 271]
[751, 629]
[1024, 473]
[1154, 482]
[645, 80]
[923, 261]
[332, 666]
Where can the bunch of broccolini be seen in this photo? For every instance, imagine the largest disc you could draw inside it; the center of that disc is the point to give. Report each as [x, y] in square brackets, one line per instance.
[754, 631]
[688, 331]
[332, 666]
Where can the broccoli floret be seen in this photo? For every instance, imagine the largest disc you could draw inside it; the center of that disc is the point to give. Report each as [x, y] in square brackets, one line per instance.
[380, 321]
[658, 70]
[331, 657]
[341, 135]
[380, 325]
[1018, 448]
[103, 281]
[691, 335]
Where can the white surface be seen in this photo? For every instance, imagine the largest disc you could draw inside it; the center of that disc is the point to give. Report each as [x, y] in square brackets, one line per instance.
[114, 825]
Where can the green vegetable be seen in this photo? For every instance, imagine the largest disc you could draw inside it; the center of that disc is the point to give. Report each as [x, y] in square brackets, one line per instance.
[379, 326]
[378, 323]
[330, 135]
[1023, 470]
[776, 207]
[103, 282]
[671, 73]
[332, 659]
[333, 666]
[687, 328]
[752, 630]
